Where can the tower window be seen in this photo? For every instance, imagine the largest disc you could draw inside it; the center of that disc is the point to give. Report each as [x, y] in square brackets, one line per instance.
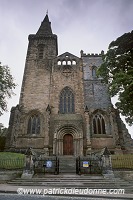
[34, 125]
[66, 101]
[40, 51]
[98, 124]
[93, 71]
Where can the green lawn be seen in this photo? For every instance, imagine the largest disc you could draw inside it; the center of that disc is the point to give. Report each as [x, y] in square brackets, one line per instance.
[10, 160]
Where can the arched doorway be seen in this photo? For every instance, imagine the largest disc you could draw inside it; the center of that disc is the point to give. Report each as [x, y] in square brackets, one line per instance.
[68, 144]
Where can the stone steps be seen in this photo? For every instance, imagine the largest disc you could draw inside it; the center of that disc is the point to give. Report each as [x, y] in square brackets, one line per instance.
[75, 181]
[67, 164]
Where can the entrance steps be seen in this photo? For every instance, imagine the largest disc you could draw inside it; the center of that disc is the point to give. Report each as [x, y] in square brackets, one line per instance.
[67, 164]
[74, 181]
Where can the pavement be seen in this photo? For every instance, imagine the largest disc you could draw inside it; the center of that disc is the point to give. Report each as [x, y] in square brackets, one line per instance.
[6, 188]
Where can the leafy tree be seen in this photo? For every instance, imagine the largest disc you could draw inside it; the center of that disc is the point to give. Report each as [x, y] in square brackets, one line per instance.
[3, 130]
[117, 72]
[3, 133]
[6, 87]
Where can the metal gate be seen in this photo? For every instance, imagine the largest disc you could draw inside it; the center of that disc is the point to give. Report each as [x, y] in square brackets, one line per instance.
[91, 164]
[48, 164]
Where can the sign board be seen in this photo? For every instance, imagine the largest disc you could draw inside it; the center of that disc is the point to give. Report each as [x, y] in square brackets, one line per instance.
[48, 163]
[85, 164]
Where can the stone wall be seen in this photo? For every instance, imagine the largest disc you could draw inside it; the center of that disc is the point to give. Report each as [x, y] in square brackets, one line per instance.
[6, 175]
[124, 174]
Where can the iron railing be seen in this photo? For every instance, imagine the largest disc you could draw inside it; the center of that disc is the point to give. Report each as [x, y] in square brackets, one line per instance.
[124, 161]
[17, 163]
[88, 165]
[40, 165]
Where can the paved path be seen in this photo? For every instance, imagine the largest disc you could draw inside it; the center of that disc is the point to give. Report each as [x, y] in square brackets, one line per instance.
[23, 197]
[9, 192]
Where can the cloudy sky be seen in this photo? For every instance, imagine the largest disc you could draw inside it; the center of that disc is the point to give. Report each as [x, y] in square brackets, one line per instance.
[89, 25]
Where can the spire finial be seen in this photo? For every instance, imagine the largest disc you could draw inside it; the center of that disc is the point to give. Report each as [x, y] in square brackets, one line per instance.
[47, 12]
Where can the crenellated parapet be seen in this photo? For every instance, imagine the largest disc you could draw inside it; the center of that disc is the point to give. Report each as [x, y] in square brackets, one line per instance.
[92, 54]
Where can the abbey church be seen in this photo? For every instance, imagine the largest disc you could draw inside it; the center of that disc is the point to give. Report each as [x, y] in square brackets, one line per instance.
[64, 108]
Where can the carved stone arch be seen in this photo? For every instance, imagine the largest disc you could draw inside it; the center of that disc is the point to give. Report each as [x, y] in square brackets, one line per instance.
[68, 88]
[68, 129]
[100, 111]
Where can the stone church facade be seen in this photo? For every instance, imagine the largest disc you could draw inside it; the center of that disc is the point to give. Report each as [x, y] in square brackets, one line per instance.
[64, 108]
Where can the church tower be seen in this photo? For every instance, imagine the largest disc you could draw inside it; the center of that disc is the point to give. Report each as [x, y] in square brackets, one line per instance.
[41, 53]
[28, 125]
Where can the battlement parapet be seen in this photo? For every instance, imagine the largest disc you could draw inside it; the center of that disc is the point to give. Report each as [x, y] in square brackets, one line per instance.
[92, 54]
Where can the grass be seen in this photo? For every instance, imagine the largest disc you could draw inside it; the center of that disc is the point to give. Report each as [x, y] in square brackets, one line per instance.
[9, 160]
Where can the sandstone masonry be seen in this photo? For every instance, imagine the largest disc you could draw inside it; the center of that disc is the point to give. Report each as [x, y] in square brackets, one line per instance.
[64, 108]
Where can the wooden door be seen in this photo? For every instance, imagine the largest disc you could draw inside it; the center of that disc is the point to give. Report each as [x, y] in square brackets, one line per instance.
[68, 144]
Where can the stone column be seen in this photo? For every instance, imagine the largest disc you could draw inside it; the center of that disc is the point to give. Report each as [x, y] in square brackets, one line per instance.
[61, 147]
[75, 145]
[54, 146]
[81, 146]
[87, 121]
[28, 170]
[107, 164]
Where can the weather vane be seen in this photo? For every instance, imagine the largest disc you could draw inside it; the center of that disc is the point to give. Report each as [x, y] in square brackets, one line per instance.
[47, 12]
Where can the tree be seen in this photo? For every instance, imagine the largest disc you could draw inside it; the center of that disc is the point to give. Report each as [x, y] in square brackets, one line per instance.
[6, 87]
[117, 72]
[3, 133]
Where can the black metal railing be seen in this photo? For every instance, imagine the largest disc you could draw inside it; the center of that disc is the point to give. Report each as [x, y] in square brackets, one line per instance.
[78, 169]
[57, 166]
[88, 165]
[49, 164]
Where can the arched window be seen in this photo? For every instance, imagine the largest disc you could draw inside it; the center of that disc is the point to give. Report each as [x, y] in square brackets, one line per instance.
[40, 51]
[98, 124]
[66, 101]
[74, 62]
[59, 62]
[64, 62]
[69, 62]
[93, 71]
[34, 125]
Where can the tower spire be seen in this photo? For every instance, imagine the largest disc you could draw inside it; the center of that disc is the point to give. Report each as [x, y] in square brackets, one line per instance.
[45, 28]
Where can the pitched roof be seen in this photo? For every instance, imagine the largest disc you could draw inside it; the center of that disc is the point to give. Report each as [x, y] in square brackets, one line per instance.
[67, 54]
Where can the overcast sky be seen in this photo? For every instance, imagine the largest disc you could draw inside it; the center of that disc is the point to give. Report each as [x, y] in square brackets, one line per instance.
[89, 25]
